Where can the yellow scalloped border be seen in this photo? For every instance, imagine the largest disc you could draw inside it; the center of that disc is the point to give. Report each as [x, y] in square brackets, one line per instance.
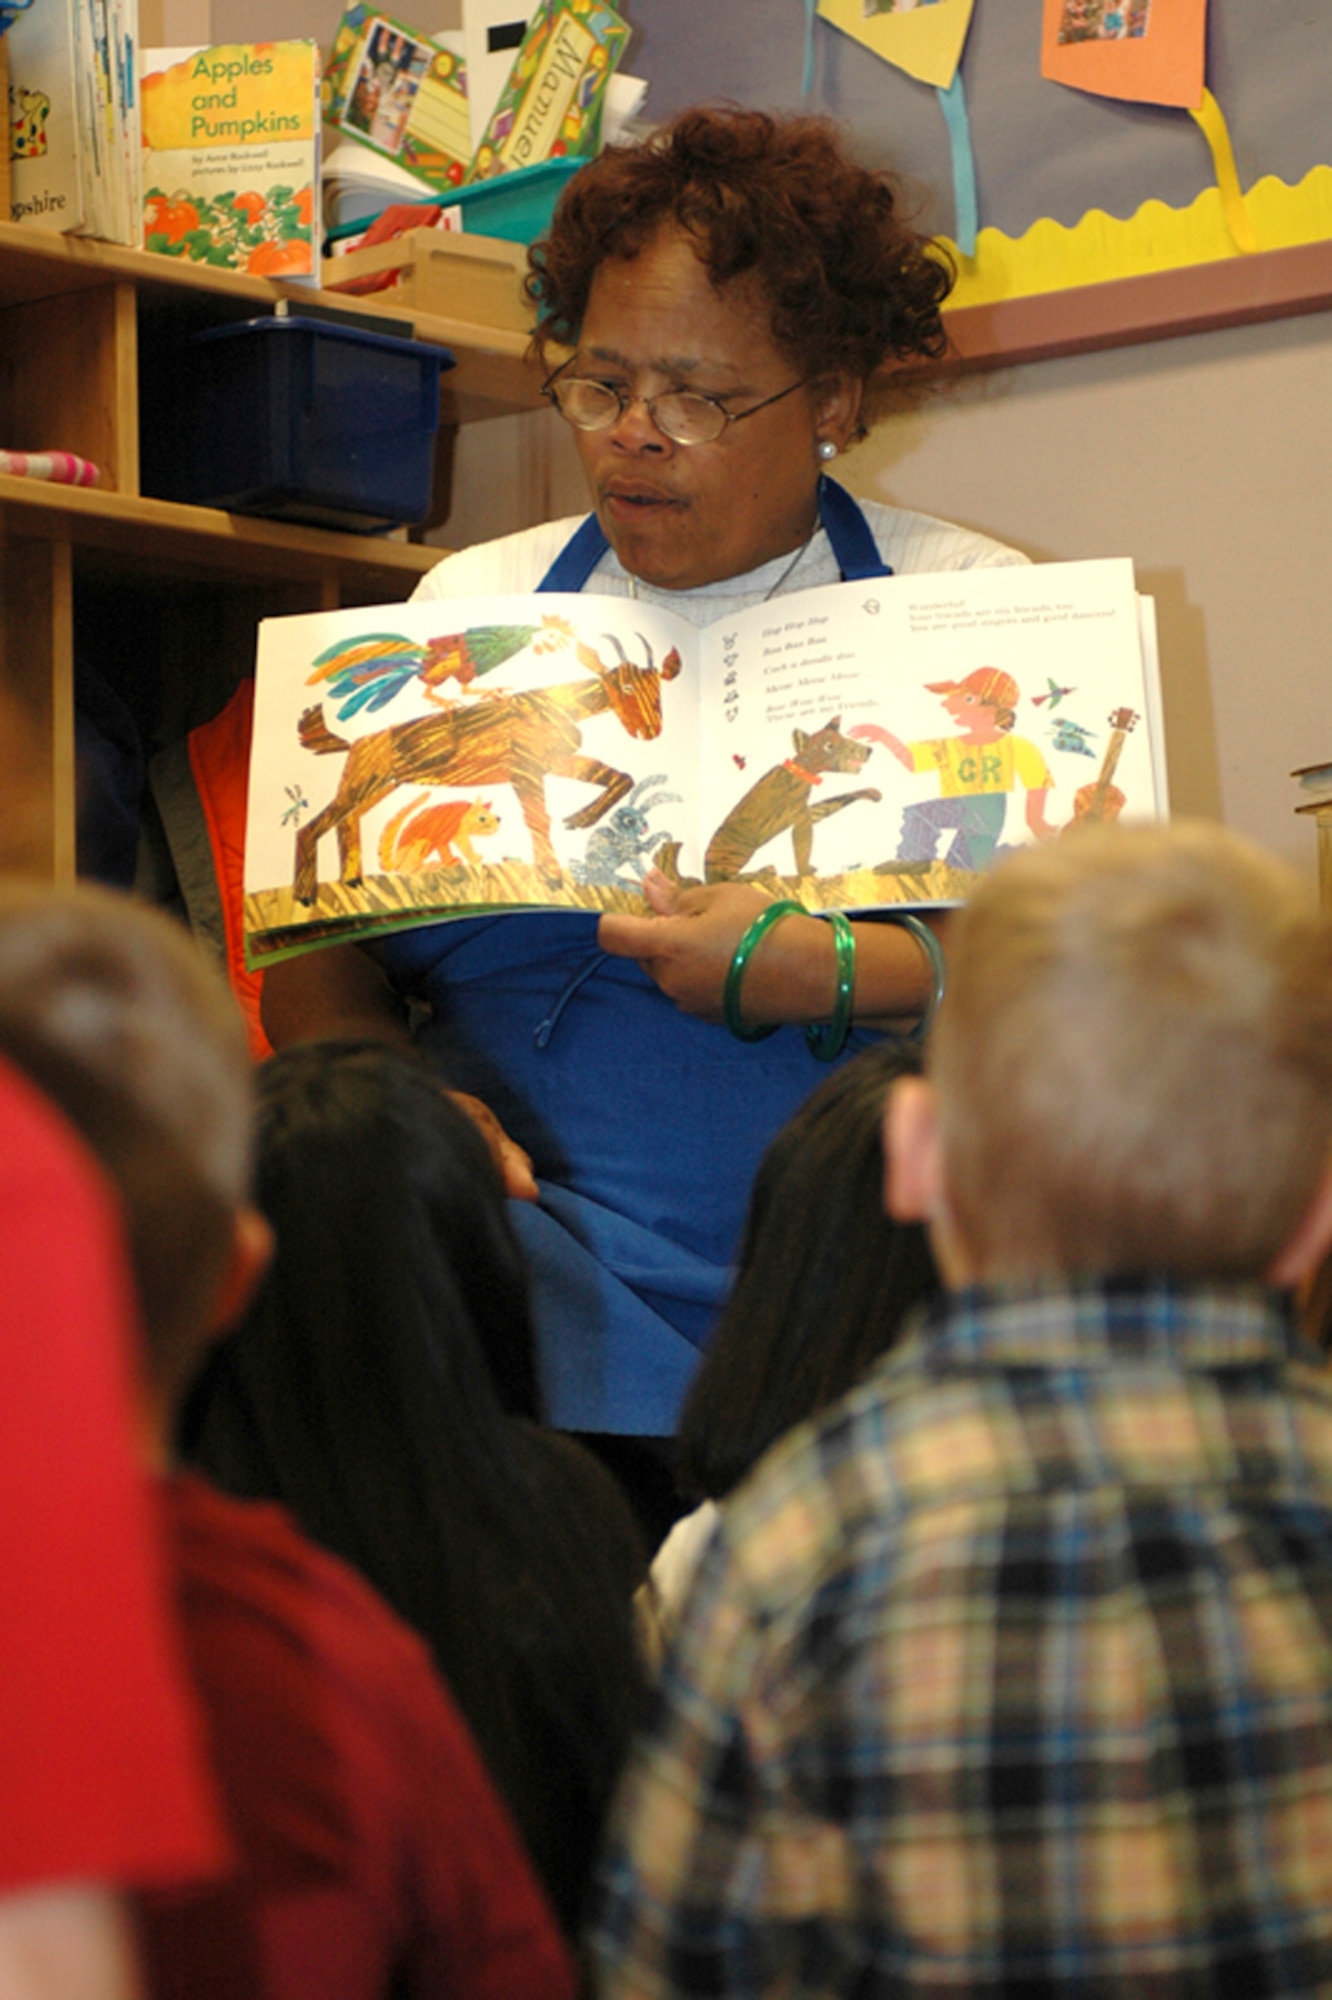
[1052, 258]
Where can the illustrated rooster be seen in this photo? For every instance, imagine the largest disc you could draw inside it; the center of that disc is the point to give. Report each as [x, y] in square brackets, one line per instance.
[370, 670]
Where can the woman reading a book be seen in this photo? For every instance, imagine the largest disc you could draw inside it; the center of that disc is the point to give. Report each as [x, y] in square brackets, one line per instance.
[742, 301]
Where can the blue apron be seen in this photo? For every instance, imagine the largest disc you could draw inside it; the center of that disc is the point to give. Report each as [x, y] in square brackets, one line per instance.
[645, 1125]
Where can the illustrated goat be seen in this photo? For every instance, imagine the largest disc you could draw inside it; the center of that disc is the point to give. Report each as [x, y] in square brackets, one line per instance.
[514, 739]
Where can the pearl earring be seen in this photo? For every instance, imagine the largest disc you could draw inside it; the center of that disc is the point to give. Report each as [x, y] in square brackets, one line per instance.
[827, 449]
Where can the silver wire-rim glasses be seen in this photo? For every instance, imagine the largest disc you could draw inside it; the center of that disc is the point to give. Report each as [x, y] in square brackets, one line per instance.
[682, 415]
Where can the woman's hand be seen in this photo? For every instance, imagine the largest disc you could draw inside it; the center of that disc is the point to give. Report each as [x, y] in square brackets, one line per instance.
[688, 943]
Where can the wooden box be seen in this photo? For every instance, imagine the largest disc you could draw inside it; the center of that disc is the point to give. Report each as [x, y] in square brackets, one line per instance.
[473, 278]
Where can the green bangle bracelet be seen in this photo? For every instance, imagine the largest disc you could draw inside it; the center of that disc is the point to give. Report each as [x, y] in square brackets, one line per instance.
[744, 951]
[934, 952]
[827, 1039]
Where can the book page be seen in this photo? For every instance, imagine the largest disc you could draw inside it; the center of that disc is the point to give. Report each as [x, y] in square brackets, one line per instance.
[413, 761]
[857, 746]
[886, 741]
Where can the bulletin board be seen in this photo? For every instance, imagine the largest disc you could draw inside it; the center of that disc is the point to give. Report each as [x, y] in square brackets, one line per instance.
[1096, 220]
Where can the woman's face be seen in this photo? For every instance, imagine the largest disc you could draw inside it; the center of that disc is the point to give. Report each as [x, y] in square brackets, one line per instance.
[679, 516]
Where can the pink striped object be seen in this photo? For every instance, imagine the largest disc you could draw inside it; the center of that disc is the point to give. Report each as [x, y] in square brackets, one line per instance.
[65, 466]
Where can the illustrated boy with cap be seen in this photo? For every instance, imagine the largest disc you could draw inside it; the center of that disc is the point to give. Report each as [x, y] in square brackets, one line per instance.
[1012, 1674]
[977, 770]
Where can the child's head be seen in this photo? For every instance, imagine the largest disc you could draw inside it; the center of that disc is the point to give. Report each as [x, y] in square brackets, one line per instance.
[393, 1234]
[367, 1385]
[824, 1283]
[378, 1387]
[1133, 1064]
[111, 1010]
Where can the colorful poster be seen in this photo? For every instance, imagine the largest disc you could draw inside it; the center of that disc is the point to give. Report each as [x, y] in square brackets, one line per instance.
[1151, 51]
[922, 37]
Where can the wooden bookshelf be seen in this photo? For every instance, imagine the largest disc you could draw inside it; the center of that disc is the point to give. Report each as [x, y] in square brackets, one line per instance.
[167, 595]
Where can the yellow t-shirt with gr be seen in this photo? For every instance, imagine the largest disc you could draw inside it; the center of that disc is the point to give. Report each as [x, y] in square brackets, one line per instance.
[968, 768]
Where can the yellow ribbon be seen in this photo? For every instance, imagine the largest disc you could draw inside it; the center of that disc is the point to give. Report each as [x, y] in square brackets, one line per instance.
[1211, 120]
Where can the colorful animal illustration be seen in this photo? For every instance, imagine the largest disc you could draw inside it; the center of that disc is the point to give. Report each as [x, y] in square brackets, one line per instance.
[373, 668]
[779, 801]
[444, 831]
[299, 804]
[627, 841]
[1072, 738]
[511, 739]
[1054, 694]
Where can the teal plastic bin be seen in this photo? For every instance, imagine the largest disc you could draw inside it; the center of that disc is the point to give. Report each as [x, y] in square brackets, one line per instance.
[516, 207]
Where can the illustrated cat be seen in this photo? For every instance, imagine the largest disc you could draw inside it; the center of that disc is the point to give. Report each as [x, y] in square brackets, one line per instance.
[445, 831]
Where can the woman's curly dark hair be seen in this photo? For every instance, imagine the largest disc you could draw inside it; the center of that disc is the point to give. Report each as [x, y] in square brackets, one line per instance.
[852, 287]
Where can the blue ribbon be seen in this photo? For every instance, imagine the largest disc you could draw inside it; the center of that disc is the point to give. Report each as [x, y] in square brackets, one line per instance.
[953, 104]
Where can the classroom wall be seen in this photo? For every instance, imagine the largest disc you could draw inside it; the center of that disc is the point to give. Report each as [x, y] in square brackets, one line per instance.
[1205, 459]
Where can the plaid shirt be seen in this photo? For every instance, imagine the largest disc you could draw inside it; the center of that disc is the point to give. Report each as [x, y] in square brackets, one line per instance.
[1012, 1675]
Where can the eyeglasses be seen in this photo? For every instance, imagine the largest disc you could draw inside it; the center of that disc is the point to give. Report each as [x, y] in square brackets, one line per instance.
[682, 415]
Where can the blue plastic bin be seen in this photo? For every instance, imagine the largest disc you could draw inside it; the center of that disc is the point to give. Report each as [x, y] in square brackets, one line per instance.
[304, 420]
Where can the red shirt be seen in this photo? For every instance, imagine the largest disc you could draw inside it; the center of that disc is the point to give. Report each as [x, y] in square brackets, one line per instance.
[374, 1847]
[101, 1768]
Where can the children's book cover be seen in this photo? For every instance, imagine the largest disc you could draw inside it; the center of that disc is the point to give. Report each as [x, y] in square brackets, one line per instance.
[73, 118]
[45, 146]
[397, 91]
[552, 102]
[231, 156]
[855, 746]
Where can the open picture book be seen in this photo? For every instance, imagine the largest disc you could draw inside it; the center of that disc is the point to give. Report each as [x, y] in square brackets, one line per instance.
[855, 746]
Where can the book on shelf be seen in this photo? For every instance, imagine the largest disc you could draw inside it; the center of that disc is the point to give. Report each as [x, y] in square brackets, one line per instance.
[359, 184]
[74, 118]
[230, 168]
[1315, 785]
[401, 94]
[855, 746]
[553, 101]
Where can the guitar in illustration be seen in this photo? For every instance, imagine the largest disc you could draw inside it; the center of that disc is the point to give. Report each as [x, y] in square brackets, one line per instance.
[1102, 799]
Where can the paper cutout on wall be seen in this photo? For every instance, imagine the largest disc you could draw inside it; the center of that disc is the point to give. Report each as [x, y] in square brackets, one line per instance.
[923, 37]
[1151, 51]
[953, 104]
[1052, 257]
[1212, 125]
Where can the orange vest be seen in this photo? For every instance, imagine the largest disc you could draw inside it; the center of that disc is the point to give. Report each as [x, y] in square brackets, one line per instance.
[220, 763]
